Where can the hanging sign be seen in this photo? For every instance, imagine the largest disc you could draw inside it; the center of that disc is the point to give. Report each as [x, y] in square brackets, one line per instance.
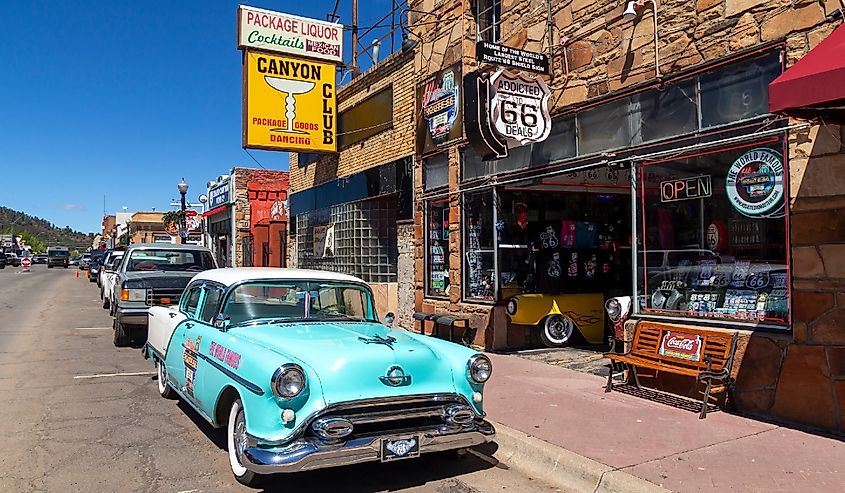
[289, 104]
[479, 127]
[694, 187]
[439, 108]
[519, 109]
[219, 194]
[754, 183]
[285, 33]
[497, 54]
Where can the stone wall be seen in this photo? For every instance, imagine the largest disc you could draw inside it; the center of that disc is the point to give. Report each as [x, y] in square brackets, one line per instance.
[387, 146]
[405, 305]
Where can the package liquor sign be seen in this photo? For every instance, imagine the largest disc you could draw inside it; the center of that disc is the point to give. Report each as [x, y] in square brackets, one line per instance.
[681, 346]
[289, 104]
[519, 109]
[284, 33]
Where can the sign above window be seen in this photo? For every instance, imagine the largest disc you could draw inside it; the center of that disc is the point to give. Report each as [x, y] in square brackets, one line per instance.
[439, 100]
[290, 34]
[519, 108]
[497, 54]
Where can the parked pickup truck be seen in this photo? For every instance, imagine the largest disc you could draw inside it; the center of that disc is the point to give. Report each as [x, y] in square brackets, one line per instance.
[152, 275]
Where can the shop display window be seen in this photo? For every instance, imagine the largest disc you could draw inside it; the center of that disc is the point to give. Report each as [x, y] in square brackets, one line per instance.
[478, 246]
[712, 236]
[738, 92]
[437, 248]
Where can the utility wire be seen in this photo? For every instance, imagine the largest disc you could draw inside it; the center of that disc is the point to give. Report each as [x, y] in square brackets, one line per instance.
[253, 158]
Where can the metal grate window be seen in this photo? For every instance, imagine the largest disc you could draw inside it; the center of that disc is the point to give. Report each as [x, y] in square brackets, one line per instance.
[364, 239]
[488, 17]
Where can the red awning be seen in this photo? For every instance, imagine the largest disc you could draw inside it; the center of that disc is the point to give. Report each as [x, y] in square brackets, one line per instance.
[216, 210]
[815, 85]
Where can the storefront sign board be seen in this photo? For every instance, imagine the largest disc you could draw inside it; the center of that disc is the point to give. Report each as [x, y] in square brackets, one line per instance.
[323, 244]
[681, 346]
[694, 187]
[519, 109]
[481, 135]
[289, 104]
[754, 183]
[220, 194]
[290, 34]
[439, 107]
[497, 54]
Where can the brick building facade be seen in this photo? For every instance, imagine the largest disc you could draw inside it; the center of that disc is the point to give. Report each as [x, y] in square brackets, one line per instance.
[360, 198]
[718, 54]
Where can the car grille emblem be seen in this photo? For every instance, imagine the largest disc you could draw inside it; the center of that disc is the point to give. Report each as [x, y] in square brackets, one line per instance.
[387, 341]
[395, 377]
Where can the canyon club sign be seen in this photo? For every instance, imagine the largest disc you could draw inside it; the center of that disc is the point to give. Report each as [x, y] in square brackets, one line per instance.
[289, 34]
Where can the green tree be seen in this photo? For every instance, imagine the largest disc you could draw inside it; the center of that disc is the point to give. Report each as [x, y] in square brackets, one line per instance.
[30, 239]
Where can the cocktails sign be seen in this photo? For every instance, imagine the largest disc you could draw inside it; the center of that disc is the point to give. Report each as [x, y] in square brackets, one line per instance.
[289, 104]
[519, 109]
[284, 33]
[681, 346]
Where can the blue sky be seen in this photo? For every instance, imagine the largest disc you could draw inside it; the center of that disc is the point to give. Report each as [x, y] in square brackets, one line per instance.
[123, 98]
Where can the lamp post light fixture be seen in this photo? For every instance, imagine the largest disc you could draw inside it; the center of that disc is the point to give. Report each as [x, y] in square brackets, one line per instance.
[183, 189]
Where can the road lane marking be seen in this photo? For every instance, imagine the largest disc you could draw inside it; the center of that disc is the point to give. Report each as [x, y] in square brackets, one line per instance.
[95, 328]
[126, 374]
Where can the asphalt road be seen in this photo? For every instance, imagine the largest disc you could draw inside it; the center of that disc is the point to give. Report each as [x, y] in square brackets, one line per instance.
[79, 414]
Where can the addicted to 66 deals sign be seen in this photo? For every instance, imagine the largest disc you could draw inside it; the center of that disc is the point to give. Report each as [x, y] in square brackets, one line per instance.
[285, 33]
[289, 104]
[519, 108]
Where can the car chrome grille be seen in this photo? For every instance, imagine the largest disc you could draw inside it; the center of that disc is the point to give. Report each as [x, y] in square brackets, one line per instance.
[156, 295]
[400, 415]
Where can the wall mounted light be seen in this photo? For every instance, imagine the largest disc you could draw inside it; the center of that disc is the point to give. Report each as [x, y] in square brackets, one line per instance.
[630, 14]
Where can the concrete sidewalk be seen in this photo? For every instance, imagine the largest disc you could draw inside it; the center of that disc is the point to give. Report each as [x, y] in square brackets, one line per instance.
[620, 434]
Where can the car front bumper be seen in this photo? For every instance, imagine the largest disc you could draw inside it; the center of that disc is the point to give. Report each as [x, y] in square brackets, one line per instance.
[132, 316]
[310, 453]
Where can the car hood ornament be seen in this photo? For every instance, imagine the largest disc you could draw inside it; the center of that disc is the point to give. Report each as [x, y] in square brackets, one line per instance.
[387, 341]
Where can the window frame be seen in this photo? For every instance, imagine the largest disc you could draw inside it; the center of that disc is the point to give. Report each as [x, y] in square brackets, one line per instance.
[493, 8]
[636, 206]
[427, 252]
[494, 249]
[183, 301]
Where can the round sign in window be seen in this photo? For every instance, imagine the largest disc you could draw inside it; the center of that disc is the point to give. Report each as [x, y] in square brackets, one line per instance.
[755, 183]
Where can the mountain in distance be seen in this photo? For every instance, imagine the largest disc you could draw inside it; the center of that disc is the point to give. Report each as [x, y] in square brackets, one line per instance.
[46, 232]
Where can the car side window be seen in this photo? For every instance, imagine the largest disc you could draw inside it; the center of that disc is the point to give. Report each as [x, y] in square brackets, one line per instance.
[211, 305]
[192, 300]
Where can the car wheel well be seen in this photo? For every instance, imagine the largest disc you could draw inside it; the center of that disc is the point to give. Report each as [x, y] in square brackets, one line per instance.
[224, 405]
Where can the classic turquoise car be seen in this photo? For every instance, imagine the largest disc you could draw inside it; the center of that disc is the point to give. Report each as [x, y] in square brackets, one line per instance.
[305, 376]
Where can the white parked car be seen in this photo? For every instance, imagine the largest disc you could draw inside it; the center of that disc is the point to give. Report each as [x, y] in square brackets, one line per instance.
[108, 277]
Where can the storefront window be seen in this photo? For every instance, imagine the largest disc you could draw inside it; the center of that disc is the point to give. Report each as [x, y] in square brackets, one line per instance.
[712, 236]
[478, 247]
[436, 171]
[738, 92]
[437, 248]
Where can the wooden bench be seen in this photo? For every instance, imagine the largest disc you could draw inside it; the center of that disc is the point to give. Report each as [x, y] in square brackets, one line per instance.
[440, 320]
[702, 354]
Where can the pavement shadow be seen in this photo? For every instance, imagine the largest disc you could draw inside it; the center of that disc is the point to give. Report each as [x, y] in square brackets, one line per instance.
[672, 400]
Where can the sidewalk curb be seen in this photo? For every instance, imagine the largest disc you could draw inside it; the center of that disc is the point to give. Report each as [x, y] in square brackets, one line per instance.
[562, 468]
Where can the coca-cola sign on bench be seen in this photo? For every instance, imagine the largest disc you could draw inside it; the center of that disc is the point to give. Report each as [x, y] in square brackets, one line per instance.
[681, 346]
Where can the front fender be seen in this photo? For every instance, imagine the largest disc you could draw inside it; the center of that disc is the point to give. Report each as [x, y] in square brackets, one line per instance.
[585, 309]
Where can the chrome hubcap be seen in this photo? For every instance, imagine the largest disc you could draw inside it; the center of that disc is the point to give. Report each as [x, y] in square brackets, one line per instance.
[239, 437]
[559, 328]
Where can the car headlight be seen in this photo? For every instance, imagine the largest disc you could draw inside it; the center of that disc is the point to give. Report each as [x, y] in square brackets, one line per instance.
[479, 368]
[614, 309]
[511, 307]
[133, 294]
[288, 381]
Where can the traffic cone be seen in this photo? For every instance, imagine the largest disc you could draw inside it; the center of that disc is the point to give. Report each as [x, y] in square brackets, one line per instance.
[77, 274]
[87, 275]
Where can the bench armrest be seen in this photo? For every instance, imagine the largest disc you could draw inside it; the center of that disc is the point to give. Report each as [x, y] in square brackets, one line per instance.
[612, 340]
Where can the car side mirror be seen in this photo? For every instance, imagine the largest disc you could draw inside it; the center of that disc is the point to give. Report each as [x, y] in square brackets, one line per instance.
[389, 318]
[221, 321]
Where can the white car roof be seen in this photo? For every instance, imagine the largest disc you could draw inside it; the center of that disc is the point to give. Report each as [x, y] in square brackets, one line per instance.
[229, 276]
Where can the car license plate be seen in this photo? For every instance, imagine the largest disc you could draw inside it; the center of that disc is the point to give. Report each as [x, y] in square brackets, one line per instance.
[400, 448]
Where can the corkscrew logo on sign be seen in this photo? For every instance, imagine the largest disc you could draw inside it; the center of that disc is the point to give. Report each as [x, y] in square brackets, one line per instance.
[681, 346]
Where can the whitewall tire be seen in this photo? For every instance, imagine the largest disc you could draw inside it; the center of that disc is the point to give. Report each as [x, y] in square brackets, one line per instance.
[236, 445]
[163, 387]
[557, 331]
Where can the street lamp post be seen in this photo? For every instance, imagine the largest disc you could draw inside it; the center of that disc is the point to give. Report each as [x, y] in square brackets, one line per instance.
[183, 189]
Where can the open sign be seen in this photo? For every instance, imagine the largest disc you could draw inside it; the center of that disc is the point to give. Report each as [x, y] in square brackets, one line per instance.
[695, 187]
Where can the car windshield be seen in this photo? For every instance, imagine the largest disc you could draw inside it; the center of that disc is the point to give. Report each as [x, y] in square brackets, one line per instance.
[283, 301]
[57, 253]
[169, 260]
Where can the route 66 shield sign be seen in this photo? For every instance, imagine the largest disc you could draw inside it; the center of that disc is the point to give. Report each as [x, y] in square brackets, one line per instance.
[519, 109]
